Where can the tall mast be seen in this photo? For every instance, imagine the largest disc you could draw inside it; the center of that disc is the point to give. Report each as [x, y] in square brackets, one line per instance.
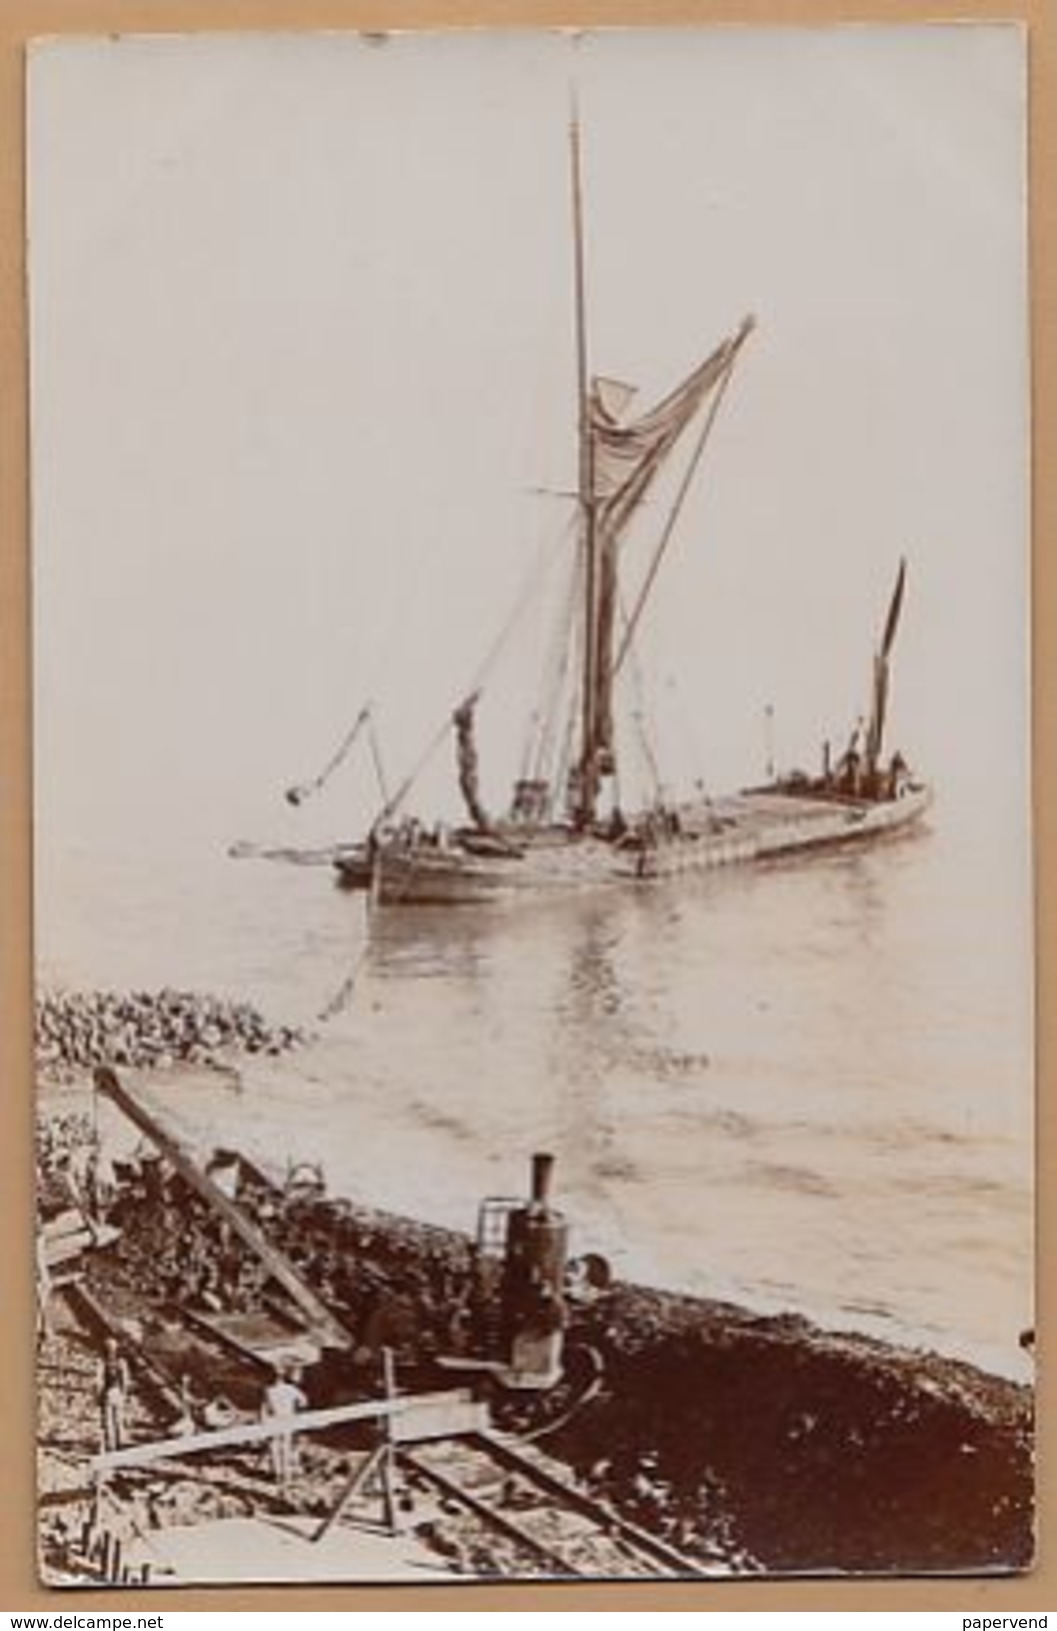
[587, 790]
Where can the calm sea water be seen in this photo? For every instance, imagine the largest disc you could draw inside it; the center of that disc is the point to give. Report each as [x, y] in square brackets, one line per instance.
[800, 1088]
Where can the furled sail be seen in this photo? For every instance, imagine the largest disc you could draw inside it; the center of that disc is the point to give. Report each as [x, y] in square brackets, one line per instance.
[466, 752]
[875, 731]
[626, 457]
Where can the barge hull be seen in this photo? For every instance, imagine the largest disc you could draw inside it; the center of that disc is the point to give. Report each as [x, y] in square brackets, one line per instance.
[741, 830]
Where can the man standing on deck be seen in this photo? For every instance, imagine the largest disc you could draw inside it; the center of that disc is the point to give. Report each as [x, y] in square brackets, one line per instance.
[282, 1400]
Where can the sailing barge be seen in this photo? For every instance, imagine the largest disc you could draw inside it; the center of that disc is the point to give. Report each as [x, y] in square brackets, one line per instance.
[565, 828]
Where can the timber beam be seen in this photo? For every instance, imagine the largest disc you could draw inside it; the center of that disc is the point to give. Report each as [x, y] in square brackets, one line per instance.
[322, 1323]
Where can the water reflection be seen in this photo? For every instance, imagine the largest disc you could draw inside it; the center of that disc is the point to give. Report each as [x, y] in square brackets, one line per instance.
[792, 1077]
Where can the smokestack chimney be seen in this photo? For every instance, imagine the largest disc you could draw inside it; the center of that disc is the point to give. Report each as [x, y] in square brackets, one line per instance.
[542, 1172]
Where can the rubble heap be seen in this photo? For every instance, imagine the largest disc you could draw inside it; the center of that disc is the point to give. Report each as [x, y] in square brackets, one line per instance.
[755, 1444]
[762, 1443]
[77, 1030]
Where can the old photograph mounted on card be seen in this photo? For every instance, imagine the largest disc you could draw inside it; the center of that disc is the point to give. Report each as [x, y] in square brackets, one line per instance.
[533, 891]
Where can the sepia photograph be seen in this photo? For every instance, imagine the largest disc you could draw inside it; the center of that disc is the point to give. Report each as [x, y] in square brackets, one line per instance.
[534, 1021]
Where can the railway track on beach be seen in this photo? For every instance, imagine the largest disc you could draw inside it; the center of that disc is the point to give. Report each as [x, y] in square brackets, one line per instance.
[556, 1527]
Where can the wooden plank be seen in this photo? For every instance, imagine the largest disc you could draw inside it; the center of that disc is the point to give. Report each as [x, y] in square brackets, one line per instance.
[81, 1298]
[66, 1497]
[306, 1421]
[321, 1320]
[70, 1233]
[454, 1418]
[60, 1249]
[69, 1222]
[385, 1460]
[355, 1484]
[263, 1341]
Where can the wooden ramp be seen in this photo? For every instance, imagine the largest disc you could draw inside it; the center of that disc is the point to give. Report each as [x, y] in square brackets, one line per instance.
[322, 1324]
[259, 1337]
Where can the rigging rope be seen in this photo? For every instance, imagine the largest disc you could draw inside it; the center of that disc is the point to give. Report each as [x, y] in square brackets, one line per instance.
[304, 790]
[384, 652]
[565, 755]
[642, 708]
[298, 793]
[379, 768]
[676, 509]
[646, 746]
[529, 588]
[393, 804]
[558, 664]
[683, 719]
[347, 989]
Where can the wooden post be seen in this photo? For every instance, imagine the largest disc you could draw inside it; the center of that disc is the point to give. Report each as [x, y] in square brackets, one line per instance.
[356, 1482]
[387, 1464]
[43, 1292]
[90, 1536]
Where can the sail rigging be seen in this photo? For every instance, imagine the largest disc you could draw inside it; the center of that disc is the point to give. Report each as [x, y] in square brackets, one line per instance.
[555, 833]
[619, 460]
[627, 457]
[466, 742]
[586, 790]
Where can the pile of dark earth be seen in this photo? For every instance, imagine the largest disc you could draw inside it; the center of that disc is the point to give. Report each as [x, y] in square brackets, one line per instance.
[825, 1452]
[762, 1442]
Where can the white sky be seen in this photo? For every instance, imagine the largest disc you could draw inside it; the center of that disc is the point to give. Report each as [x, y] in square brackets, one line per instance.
[302, 349]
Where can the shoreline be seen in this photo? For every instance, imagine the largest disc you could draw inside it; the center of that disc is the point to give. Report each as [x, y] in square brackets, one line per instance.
[72, 1091]
[762, 1443]
[757, 1443]
[249, 1055]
